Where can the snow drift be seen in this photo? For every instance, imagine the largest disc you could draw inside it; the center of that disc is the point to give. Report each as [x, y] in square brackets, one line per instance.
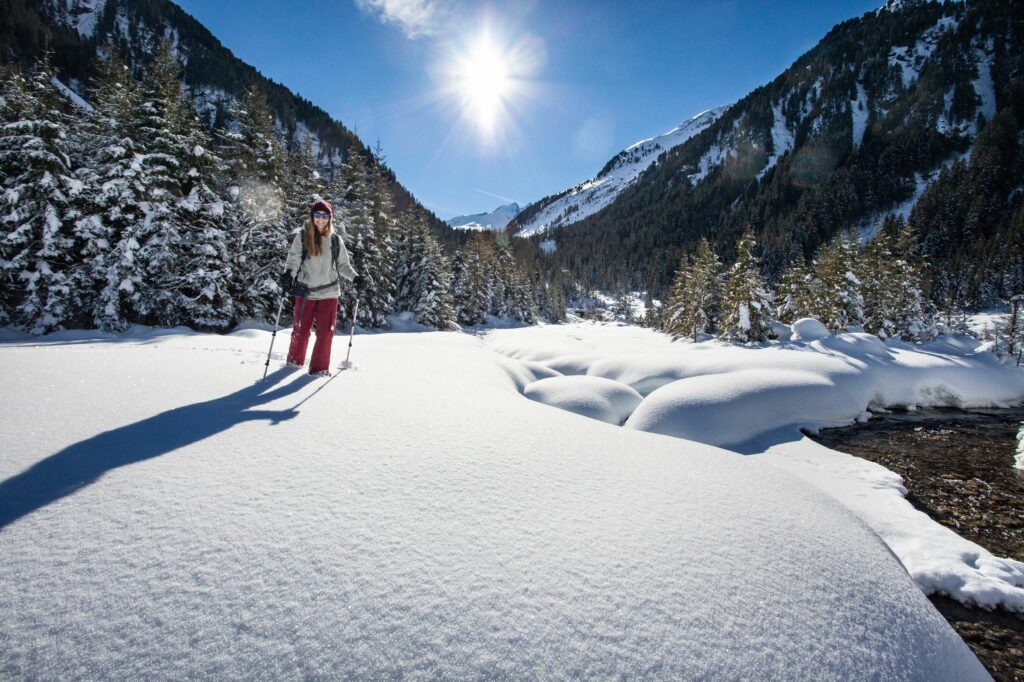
[755, 400]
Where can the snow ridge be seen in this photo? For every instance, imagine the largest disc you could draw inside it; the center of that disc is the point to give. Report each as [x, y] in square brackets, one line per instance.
[589, 197]
[492, 220]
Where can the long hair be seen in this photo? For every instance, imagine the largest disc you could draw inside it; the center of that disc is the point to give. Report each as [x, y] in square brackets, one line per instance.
[311, 236]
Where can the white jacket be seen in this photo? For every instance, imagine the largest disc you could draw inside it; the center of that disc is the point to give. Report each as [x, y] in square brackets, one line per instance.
[317, 271]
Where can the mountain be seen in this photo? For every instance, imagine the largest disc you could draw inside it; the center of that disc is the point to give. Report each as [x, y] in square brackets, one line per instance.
[913, 111]
[587, 198]
[494, 220]
[76, 31]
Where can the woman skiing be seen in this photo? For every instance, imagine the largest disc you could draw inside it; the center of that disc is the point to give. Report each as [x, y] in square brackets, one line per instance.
[316, 260]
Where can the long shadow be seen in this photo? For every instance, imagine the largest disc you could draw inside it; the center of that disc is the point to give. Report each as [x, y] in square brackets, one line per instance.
[81, 464]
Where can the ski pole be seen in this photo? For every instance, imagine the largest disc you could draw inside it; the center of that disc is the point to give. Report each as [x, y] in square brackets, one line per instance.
[277, 318]
[351, 334]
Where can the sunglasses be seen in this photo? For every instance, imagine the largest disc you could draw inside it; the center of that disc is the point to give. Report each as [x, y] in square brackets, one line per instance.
[321, 214]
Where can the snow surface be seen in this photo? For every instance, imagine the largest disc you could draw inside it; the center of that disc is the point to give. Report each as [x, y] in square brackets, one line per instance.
[782, 141]
[162, 516]
[591, 196]
[756, 399]
[594, 397]
[859, 111]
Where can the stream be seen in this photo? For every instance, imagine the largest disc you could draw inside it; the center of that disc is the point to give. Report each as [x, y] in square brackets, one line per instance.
[958, 467]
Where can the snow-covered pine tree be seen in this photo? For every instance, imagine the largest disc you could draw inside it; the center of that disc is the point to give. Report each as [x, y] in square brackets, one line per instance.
[303, 184]
[364, 212]
[255, 201]
[117, 191]
[837, 302]
[381, 210]
[515, 301]
[894, 305]
[622, 306]
[422, 274]
[793, 294]
[470, 282]
[692, 308]
[746, 301]
[38, 248]
[181, 265]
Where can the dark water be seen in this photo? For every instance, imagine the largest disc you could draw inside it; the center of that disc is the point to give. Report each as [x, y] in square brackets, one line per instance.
[958, 466]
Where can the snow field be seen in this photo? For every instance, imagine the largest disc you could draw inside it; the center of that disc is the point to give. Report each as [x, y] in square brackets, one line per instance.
[163, 516]
[755, 400]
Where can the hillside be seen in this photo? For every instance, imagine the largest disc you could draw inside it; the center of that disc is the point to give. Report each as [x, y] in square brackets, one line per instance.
[915, 111]
[75, 32]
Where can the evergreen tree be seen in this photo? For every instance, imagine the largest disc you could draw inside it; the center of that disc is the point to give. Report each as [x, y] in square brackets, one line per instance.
[39, 248]
[836, 299]
[423, 277]
[118, 193]
[693, 304]
[793, 296]
[303, 185]
[746, 302]
[513, 298]
[255, 197]
[470, 282]
[182, 263]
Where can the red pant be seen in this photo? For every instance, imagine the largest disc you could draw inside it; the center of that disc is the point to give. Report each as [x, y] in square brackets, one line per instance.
[322, 313]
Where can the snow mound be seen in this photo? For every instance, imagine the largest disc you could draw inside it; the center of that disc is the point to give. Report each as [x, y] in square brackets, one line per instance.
[755, 399]
[808, 329]
[594, 397]
[728, 409]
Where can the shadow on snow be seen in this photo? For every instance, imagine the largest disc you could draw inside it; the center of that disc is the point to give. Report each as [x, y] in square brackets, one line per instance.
[83, 463]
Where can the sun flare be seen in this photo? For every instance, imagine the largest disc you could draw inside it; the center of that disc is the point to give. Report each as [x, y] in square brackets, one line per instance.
[483, 81]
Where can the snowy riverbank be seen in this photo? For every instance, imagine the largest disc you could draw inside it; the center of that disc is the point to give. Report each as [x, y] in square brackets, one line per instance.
[163, 516]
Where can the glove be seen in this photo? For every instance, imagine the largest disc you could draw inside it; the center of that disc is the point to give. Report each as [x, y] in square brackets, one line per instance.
[286, 281]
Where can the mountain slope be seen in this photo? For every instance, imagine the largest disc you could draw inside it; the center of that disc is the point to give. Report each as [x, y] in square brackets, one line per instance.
[492, 220]
[75, 31]
[587, 198]
[857, 129]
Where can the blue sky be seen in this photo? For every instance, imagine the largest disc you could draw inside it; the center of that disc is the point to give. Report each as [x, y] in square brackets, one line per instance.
[576, 80]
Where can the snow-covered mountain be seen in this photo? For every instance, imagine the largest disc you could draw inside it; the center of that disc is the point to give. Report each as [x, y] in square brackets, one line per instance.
[493, 220]
[620, 172]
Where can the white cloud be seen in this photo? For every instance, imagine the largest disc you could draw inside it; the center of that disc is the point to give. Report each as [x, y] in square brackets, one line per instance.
[416, 18]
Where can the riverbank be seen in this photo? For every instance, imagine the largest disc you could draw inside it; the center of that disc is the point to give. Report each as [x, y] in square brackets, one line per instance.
[958, 467]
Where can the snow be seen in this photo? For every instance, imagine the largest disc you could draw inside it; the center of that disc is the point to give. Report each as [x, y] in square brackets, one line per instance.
[756, 400]
[808, 329]
[782, 141]
[910, 60]
[71, 95]
[548, 246]
[983, 85]
[591, 196]
[859, 111]
[163, 516]
[594, 397]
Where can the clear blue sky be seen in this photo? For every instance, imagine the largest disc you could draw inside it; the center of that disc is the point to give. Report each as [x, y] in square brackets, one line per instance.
[582, 78]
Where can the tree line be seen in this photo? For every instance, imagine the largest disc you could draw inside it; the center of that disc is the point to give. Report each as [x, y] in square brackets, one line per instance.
[879, 289]
[129, 210]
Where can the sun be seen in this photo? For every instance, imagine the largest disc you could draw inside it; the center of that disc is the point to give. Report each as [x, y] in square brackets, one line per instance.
[482, 77]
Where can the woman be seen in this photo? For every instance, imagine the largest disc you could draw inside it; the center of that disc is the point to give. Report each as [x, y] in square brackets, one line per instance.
[315, 261]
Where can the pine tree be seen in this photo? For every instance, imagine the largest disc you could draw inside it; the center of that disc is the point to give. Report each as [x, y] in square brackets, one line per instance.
[793, 296]
[512, 297]
[182, 263]
[693, 304]
[746, 302]
[39, 248]
[837, 302]
[303, 185]
[255, 202]
[422, 275]
[470, 282]
[117, 192]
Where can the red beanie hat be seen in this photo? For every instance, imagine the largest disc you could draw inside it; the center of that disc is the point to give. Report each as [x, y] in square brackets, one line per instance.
[321, 205]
